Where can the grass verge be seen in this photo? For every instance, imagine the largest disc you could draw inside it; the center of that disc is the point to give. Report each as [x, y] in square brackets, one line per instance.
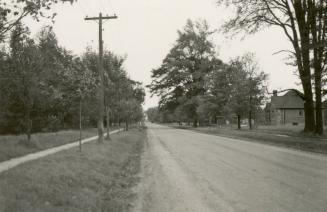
[12, 146]
[98, 179]
[312, 144]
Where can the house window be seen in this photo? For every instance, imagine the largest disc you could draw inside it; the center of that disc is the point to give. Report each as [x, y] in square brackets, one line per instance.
[300, 112]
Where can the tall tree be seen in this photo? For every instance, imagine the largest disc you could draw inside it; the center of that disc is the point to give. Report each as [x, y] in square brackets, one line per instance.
[294, 18]
[246, 85]
[181, 77]
[113, 69]
[317, 19]
[25, 68]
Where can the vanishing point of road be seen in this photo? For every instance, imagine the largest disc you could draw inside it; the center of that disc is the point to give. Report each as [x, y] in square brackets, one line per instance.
[188, 171]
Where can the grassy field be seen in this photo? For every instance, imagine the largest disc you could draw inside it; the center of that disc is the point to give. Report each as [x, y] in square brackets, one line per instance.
[100, 178]
[12, 146]
[280, 137]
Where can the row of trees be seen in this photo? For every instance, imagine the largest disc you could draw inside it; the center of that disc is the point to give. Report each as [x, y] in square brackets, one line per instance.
[44, 87]
[195, 86]
[304, 23]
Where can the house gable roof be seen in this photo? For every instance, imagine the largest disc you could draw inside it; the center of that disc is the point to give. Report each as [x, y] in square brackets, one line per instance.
[290, 100]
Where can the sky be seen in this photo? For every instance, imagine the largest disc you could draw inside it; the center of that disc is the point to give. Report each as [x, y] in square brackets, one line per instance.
[146, 30]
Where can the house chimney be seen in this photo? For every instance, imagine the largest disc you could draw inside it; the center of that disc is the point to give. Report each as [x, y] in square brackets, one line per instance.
[275, 92]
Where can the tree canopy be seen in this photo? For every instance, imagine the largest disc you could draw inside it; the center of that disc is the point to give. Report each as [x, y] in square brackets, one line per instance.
[12, 12]
[42, 85]
[182, 75]
[194, 85]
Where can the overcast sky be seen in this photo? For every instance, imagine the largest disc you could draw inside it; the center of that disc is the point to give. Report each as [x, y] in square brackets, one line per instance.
[146, 30]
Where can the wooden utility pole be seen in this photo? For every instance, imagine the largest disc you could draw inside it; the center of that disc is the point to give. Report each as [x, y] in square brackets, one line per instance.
[101, 75]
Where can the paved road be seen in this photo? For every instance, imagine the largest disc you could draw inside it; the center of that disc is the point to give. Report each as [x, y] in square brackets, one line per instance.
[188, 171]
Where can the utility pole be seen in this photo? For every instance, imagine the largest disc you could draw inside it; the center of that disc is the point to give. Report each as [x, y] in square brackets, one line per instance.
[100, 18]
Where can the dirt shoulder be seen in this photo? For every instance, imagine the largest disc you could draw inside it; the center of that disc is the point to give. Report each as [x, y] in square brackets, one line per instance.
[311, 144]
[165, 184]
[101, 178]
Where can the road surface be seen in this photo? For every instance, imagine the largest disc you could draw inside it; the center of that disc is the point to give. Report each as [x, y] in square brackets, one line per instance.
[188, 171]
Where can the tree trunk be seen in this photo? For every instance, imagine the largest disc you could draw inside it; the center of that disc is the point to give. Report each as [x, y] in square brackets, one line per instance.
[250, 113]
[100, 131]
[28, 121]
[309, 122]
[238, 122]
[317, 25]
[303, 62]
[100, 109]
[29, 130]
[108, 124]
[80, 125]
[319, 122]
[126, 125]
[250, 120]
[195, 123]
[309, 125]
[318, 72]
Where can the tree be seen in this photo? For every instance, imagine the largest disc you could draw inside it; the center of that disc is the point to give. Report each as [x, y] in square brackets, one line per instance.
[77, 88]
[113, 68]
[131, 102]
[208, 109]
[47, 77]
[12, 12]
[317, 18]
[153, 114]
[246, 85]
[90, 62]
[301, 21]
[181, 77]
[45, 88]
[25, 69]
[56, 66]
[4, 69]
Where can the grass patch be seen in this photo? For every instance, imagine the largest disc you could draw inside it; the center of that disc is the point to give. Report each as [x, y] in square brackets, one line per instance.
[295, 140]
[98, 179]
[287, 129]
[12, 146]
